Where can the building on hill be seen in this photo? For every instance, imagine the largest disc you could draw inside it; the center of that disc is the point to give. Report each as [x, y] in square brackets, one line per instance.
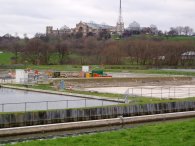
[190, 55]
[92, 28]
[61, 31]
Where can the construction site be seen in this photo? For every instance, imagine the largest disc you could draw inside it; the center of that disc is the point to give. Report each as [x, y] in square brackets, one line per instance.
[97, 80]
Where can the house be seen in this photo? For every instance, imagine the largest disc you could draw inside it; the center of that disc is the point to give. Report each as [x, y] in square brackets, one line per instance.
[188, 55]
[61, 31]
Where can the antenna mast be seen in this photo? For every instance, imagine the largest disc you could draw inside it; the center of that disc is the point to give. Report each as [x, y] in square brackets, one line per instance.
[120, 23]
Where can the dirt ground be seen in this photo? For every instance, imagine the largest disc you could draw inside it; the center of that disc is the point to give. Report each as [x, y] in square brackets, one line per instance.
[182, 91]
[149, 86]
[127, 82]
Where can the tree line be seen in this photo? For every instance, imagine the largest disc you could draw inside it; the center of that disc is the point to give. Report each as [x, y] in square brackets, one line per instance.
[143, 50]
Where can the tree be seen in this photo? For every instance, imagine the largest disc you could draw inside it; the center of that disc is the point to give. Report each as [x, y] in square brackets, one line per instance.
[104, 35]
[16, 48]
[153, 29]
[36, 52]
[173, 31]
[62, 48]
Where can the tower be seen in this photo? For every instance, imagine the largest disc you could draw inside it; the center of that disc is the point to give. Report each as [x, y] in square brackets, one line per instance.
[120, 23]
[49, 30]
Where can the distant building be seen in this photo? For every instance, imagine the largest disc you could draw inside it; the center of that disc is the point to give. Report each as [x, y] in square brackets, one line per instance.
[188, 55]
[61, 31]
[134, 26]
[92, 28]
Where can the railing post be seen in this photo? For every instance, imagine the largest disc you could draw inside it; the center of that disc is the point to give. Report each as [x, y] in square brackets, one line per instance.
[161, 92]
[151, 92]
[174, 92]
[25, 106]
[2, 107]
[169, 91]
[141, 92]
[85, 102]
[102, 103]
[47, 104]
[189, 91]
[67, 103]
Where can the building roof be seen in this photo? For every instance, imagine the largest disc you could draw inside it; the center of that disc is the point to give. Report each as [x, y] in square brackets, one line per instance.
[64, 28]
[189, 53]
[99, 26]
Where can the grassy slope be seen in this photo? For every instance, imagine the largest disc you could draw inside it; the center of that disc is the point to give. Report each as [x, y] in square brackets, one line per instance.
[5, 58]
[57, 67]
[180, 133]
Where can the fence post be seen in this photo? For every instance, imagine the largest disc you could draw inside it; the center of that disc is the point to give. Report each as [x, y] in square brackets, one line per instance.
[25, 106]
[169, 91]
[2, 107]
[47, 105]
[67, 103]
[174, 92]
[85, 102]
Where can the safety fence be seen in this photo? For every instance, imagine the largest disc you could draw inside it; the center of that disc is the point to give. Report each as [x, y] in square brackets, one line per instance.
[52, 105]
[161, 92]
[74, 115]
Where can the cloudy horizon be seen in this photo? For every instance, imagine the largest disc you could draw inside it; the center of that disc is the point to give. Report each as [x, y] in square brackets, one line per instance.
[27, 16]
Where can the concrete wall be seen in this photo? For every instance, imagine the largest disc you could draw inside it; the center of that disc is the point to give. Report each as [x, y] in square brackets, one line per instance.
[74, 115]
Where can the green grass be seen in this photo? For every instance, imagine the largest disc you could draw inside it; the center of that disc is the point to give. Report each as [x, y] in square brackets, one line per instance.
[5, 58]
[113, 68]
[169, 38]
[56, 67]
[163, 72]
[177, 133]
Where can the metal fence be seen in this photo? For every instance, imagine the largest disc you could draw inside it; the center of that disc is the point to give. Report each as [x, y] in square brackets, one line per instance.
[161, 92]
[8, 120]
[51, 105]
[6, 80]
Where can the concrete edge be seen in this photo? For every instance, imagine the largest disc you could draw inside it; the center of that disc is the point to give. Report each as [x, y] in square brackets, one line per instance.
[92, 124]
[63, 93]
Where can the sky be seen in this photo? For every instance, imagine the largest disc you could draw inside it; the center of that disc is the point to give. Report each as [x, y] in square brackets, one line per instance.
[32, 16]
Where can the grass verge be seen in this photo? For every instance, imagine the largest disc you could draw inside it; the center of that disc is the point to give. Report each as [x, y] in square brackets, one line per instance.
[163, 72]
[177, 133]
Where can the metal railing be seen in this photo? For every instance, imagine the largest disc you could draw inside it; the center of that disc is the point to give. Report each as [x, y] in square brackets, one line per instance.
[54, 105]
[161, 92]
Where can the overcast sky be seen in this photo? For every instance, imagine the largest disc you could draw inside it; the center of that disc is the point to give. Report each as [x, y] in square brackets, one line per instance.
[31, 16]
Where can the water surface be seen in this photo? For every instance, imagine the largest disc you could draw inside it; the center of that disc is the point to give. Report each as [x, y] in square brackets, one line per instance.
[12, 100]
